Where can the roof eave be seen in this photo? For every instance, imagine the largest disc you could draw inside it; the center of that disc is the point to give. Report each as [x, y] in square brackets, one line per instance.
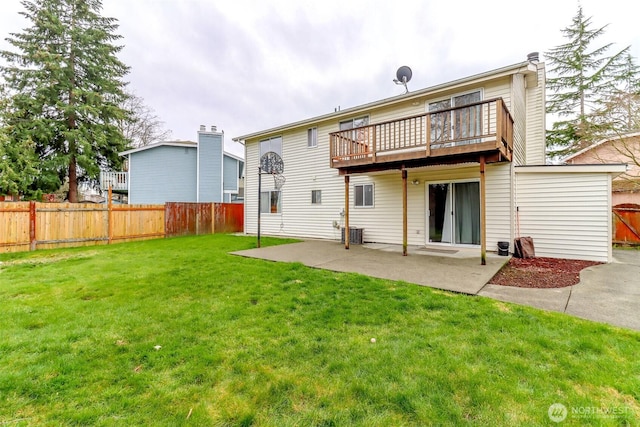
[612, 168]
[185, 144]
[599, 143]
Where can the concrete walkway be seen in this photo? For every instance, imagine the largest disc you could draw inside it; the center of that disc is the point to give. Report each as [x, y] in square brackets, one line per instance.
[607, 293]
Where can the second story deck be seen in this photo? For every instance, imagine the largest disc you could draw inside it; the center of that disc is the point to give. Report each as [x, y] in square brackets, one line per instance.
[453, 135]
[116, 180]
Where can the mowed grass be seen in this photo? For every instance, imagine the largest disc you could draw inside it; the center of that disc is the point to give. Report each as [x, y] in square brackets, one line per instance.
[251, 342]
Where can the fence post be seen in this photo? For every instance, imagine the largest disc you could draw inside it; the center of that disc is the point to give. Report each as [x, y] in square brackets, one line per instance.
[213, 218]
[198, 216]
[110, 215]
[32, 226]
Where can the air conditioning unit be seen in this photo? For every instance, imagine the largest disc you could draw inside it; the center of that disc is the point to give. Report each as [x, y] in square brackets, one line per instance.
[355, 235]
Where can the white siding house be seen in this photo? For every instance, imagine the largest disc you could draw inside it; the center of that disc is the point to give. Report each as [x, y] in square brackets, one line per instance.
[436, 142]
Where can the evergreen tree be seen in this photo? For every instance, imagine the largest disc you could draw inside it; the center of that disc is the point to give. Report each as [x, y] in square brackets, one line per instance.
[620, 110]
[67, 85]
[580, 79]
[17, 166]
[17, 161]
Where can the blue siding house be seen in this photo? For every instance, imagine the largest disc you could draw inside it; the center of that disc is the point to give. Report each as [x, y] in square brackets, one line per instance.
[185, 171]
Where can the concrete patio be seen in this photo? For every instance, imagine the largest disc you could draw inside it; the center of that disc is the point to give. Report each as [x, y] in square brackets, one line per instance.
[449, 269]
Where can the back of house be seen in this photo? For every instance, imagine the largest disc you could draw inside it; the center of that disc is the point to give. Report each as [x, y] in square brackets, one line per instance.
[438, 166]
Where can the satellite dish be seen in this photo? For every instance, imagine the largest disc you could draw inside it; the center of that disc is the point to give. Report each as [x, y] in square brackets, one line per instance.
[403, 76]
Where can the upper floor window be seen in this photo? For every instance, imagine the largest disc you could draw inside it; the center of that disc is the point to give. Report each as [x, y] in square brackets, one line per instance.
[354, 123]
[356, 135]
[312, 137]
[364, 195]
[459, 126]
[271, 144]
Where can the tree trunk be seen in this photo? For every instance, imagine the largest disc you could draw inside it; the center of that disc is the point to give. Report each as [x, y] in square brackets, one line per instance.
[72, 196]
[73, 173]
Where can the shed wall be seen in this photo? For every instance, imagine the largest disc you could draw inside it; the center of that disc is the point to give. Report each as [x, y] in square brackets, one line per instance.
[567, 214]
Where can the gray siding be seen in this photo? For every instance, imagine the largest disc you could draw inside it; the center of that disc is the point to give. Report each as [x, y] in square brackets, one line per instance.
[210, 166]
[230, 174]
[163, 174]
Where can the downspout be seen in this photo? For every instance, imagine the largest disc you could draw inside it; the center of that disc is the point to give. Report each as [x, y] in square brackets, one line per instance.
[347, 235]
[483, 214]
[404, 211]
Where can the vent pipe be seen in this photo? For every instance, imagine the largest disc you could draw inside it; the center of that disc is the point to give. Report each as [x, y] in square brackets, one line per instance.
[203, 128]
[533, 57]
[214, 128]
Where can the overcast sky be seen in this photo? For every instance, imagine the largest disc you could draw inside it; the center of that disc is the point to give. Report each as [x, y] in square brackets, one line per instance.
[248, 65]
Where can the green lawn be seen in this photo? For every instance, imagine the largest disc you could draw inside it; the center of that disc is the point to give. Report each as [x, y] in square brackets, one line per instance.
[251, 342]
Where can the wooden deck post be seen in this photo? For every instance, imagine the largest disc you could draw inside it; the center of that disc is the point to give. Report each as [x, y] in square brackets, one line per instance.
[259, 202]
[32, 226]
[404, 211]
[483, 215]
[499, 123]
[372, 144]
[428, 135]
[346, 212]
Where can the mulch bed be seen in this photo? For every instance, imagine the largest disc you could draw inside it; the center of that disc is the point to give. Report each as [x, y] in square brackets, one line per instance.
[541, 272]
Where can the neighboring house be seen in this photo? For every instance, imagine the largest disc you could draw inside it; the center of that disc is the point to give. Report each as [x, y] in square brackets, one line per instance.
[180, 171]
[618, 149]
[460, 164]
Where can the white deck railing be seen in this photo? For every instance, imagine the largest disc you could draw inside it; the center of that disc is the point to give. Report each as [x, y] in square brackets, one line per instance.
[117, 180]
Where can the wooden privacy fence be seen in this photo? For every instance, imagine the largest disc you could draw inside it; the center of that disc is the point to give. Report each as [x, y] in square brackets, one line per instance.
[626, 224]
[31, 225]
[188, 218]
[228, 217]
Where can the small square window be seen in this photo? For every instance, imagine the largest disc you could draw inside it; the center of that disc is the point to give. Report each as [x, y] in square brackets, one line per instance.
[364, 195]
[312, 137]
[270, 202]
[316, 197]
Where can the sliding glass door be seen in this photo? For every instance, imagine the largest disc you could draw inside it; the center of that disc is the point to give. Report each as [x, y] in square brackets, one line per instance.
[454, 213]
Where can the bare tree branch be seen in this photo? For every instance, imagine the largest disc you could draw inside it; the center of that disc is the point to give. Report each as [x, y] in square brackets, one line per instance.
[143, 127]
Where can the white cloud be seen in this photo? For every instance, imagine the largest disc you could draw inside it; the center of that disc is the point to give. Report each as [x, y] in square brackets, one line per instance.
[245, 66]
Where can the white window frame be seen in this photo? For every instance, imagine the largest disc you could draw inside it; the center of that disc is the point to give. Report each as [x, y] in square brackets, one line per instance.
[271, 144]
[267, 194]
[364, 204]
[450, 182]
[312, 137]
[317, 200]
[450, 130]
[362, 121]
